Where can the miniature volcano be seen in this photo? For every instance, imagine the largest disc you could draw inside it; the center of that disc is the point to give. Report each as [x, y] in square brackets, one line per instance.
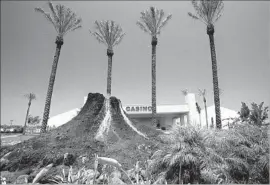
[80, 137]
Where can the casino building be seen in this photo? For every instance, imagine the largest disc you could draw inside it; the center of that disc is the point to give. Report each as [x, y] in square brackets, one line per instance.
[167, 115]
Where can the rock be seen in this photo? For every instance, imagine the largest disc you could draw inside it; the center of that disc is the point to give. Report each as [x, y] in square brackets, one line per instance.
[22, 179]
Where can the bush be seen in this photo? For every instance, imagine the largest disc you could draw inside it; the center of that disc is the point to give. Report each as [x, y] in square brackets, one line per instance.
[237, 155]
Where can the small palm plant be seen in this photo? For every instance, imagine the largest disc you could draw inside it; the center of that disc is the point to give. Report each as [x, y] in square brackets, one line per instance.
[199, 112]
[151, 22]
[202, 93]
[64, 20]
[30, 97]
[208, 12]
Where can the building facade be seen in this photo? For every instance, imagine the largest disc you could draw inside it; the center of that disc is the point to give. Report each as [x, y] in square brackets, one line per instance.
[167, 115]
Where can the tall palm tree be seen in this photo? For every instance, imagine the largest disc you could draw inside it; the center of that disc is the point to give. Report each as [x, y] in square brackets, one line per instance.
[63, 20]
[151, 21]
[208, 12]
[203, 94]
[110, 34]
[30, 97]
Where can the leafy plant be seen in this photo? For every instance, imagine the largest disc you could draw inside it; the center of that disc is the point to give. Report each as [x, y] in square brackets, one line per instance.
[258, 114]
[33, 120]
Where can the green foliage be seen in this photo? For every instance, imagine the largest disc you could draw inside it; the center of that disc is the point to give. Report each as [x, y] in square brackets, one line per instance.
[62, 18]
[207, 12]
[237, 155]
[108, 33]
[244, 112]
[257, 115]
[33, 120]
[30, 96]
[153, 20]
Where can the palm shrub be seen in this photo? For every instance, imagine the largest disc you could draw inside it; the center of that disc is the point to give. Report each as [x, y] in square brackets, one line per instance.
[30, 97]
[196, 155]
[181, 153]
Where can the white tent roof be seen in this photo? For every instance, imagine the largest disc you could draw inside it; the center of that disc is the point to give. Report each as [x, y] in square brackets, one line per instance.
[225, 113]
[63, 118]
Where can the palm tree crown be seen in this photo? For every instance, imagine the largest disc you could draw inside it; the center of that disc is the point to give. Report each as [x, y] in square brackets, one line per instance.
[207, 11]
[151, 21]
[30, 96]
[62, 18]
[108, 33]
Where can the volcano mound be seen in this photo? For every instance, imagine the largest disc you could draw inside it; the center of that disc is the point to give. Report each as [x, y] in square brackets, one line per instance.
[77, 137]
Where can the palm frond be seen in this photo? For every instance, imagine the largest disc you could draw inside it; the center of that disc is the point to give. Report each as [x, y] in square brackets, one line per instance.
[30, 96]
[54, 14]
[193, 16]
[47, 16]
[62, 18]
[208, 11]
[185, 92]
[108, 33]
[152, 20]
[164, 22]
[143, 27]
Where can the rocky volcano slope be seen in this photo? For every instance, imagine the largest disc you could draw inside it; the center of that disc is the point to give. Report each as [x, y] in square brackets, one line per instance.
[77, 138]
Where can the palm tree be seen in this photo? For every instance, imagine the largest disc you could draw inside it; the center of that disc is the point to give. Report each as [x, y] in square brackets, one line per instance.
[151, 21]
[63, 20]
[110, 34]
[203, 94]
[185, 92]
[30, 97]
[208, 12]
[199, 112]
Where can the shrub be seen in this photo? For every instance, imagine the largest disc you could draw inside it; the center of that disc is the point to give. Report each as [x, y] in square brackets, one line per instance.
[192, 155]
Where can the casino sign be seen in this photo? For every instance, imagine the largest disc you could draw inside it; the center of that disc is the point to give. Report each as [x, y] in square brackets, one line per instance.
[138, 109]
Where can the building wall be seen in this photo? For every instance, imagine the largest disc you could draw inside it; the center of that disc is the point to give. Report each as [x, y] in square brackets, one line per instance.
[165, 120]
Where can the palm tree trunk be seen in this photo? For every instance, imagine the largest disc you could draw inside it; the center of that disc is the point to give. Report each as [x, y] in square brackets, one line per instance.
[200, 119]
[206, 114]
[180, 173]
[27, 114]
[154, 103]
[210, 32]
[109, 76]
[59, 42]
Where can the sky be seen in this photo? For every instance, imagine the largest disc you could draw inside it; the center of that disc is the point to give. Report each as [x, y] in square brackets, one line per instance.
[242, 37]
